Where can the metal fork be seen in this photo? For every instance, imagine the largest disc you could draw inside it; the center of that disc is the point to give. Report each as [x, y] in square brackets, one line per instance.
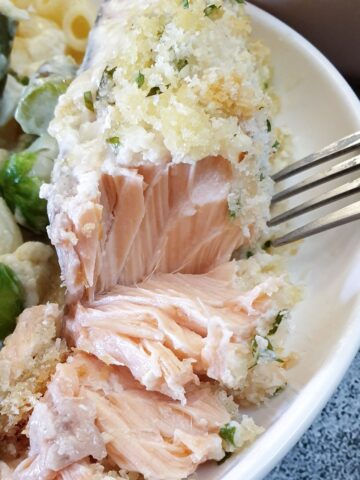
[342, 216]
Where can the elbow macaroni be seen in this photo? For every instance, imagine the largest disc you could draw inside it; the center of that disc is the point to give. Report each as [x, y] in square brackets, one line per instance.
[77, 23]
[54, 27]
[53, 9]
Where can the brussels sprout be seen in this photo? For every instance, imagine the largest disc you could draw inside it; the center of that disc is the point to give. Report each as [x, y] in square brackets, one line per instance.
[10, 99]
[11, 300]
[7, 33]
[37, 104]
[10, 238]
[21, 178]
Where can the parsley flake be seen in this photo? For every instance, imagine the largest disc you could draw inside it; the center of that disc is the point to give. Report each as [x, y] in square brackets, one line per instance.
[278, 319]
[249, 254]
[23, 79]
[279, 390]
[276, 145]
[225, 457]
[227, 433]
[113, 141]
[210, 10]
[154, 91]
[261, 348]
[267, 245]
[88, 101]
[181, 63]
[140, 79]
[185, 3]
[106, 76]
[268, 125]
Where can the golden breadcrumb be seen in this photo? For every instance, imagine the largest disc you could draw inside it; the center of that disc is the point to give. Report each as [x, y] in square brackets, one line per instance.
[27, 361]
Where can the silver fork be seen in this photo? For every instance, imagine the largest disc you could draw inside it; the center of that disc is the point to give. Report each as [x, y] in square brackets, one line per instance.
[342, 216]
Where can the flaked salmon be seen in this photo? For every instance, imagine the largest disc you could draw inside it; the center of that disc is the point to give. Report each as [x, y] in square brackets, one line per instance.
[164, 144]
[157, 218]
[173, 328]
[97, 410]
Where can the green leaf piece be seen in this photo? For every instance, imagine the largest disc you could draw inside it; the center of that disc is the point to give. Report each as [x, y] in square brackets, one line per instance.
[11, 300]
[154, 91]
[211, 9]
[140, 79]
[88, 101]
[227, 433]
[278, 319]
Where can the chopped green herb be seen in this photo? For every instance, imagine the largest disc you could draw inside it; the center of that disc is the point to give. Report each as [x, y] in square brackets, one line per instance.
[241, 2]
[267, 245]
[254, 346]
[278, 319]
[154, 91]
[262, 176]
[271, 350]
[113, 141]
[110, 72]
[227, 433]
[268, 125]
[269, 345]
[225, 457]
[12, 300]
[88, 100]
[185, 3]
[24, 80]
[249, 254]
[263, 350]
[210, 9]
[266, 85]
[106, 76]
[181, 63]
[276, 145]
[279, 390]
[140, 79]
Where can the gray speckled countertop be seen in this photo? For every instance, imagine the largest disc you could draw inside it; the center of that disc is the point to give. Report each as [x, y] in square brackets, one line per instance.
[330, 449]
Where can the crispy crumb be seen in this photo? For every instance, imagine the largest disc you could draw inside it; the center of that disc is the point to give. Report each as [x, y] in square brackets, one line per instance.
[27, 361]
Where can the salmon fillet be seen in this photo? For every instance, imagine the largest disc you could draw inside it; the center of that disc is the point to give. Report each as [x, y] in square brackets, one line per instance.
[169, 219]
[173, 328]
[159, 178]
[93, 409]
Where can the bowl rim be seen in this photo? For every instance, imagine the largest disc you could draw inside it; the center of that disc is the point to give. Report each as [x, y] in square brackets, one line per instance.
[287, 430]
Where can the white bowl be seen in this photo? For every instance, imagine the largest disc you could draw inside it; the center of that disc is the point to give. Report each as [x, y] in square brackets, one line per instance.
[318, 107]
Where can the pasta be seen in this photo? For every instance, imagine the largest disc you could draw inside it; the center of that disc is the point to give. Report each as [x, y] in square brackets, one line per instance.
[53, 27]
[22, 3]
[37, 40]
[52, 9]
[77, 22]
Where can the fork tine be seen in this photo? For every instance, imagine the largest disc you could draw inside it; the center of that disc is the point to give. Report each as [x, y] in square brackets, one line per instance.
[336, 194]
[343, 168]
[342, 146]
[340, 217]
